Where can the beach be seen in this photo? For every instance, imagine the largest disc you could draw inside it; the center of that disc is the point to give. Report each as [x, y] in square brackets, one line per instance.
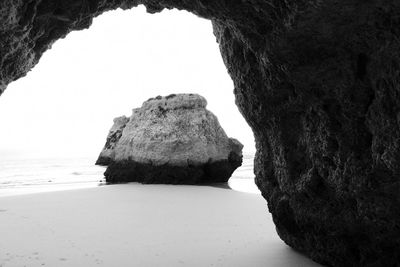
[24, 175]
[141, 225]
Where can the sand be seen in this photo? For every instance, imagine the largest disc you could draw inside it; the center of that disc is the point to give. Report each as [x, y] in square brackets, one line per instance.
[141, 225]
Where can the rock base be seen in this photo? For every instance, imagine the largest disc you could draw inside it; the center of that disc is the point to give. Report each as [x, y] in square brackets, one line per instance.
[131, 171]
[104, 161]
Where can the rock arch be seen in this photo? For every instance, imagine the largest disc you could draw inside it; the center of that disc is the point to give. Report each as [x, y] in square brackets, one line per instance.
[318, 82]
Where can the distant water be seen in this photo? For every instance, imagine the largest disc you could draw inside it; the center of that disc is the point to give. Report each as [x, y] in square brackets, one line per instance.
[21, 176]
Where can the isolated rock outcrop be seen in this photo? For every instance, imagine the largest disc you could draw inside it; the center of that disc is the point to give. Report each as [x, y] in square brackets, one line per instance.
[170, 140]
[317, 81]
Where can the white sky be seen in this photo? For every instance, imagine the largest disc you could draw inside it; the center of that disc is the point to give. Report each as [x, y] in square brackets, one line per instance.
[66, 104]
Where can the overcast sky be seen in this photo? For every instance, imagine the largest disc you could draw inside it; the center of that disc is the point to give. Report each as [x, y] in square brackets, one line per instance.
[66, 104]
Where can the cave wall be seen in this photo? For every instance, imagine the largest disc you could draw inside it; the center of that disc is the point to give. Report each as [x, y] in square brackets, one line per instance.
[318, 81]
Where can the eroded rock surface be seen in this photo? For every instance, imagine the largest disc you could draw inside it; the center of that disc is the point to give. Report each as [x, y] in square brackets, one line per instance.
[107, 155]
[318, 82]
[170, 140]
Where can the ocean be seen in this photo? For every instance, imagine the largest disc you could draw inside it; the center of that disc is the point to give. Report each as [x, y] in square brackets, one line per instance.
[34, 175]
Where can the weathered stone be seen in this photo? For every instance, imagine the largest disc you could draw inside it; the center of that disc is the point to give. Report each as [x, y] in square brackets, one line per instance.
[317, 80]
[108, 153]
[170, 140]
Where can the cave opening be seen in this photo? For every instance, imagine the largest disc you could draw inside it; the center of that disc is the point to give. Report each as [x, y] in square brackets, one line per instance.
[64, 107]
[94, 75]
[286, 60]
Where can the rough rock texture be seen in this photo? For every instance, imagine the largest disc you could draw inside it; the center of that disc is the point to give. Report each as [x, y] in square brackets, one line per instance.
[170, 140]
[319, 83]
[108, 153]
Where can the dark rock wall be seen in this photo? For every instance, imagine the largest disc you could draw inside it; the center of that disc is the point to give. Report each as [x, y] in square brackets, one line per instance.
[322, 97]
[319, 83]
[210, 173]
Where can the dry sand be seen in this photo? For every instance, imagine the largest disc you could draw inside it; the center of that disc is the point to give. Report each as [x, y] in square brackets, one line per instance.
[141, 225]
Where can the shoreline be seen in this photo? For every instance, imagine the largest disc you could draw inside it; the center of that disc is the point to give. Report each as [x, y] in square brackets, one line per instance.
[46, 188]
[141, 225]
[235, 184]
[26, 176]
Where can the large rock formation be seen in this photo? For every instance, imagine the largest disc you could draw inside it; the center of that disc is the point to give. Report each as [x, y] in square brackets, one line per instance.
[170, 140]
[317, 80]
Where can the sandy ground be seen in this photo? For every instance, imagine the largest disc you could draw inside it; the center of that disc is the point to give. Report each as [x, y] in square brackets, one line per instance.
[141, 225]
